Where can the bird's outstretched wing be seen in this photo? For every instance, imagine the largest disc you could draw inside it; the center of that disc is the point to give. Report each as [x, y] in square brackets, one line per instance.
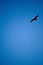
[35, 18]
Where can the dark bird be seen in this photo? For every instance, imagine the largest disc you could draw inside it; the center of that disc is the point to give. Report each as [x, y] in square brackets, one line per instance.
[35, 18]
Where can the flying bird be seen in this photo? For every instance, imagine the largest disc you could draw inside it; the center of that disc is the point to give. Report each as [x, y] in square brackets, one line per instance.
[35, 18]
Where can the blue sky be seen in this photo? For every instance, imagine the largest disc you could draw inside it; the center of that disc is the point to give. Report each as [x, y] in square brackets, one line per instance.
[21, 42]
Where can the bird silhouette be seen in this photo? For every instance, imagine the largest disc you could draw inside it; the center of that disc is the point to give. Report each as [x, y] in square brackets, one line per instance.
[35, 18]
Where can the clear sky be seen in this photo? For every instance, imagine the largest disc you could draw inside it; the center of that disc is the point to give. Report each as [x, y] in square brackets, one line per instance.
[21, 42]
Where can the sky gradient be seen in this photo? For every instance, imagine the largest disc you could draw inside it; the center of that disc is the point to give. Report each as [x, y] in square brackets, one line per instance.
[21, 42]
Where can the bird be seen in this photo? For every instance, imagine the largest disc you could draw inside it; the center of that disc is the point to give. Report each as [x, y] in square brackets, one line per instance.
[35, 18]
